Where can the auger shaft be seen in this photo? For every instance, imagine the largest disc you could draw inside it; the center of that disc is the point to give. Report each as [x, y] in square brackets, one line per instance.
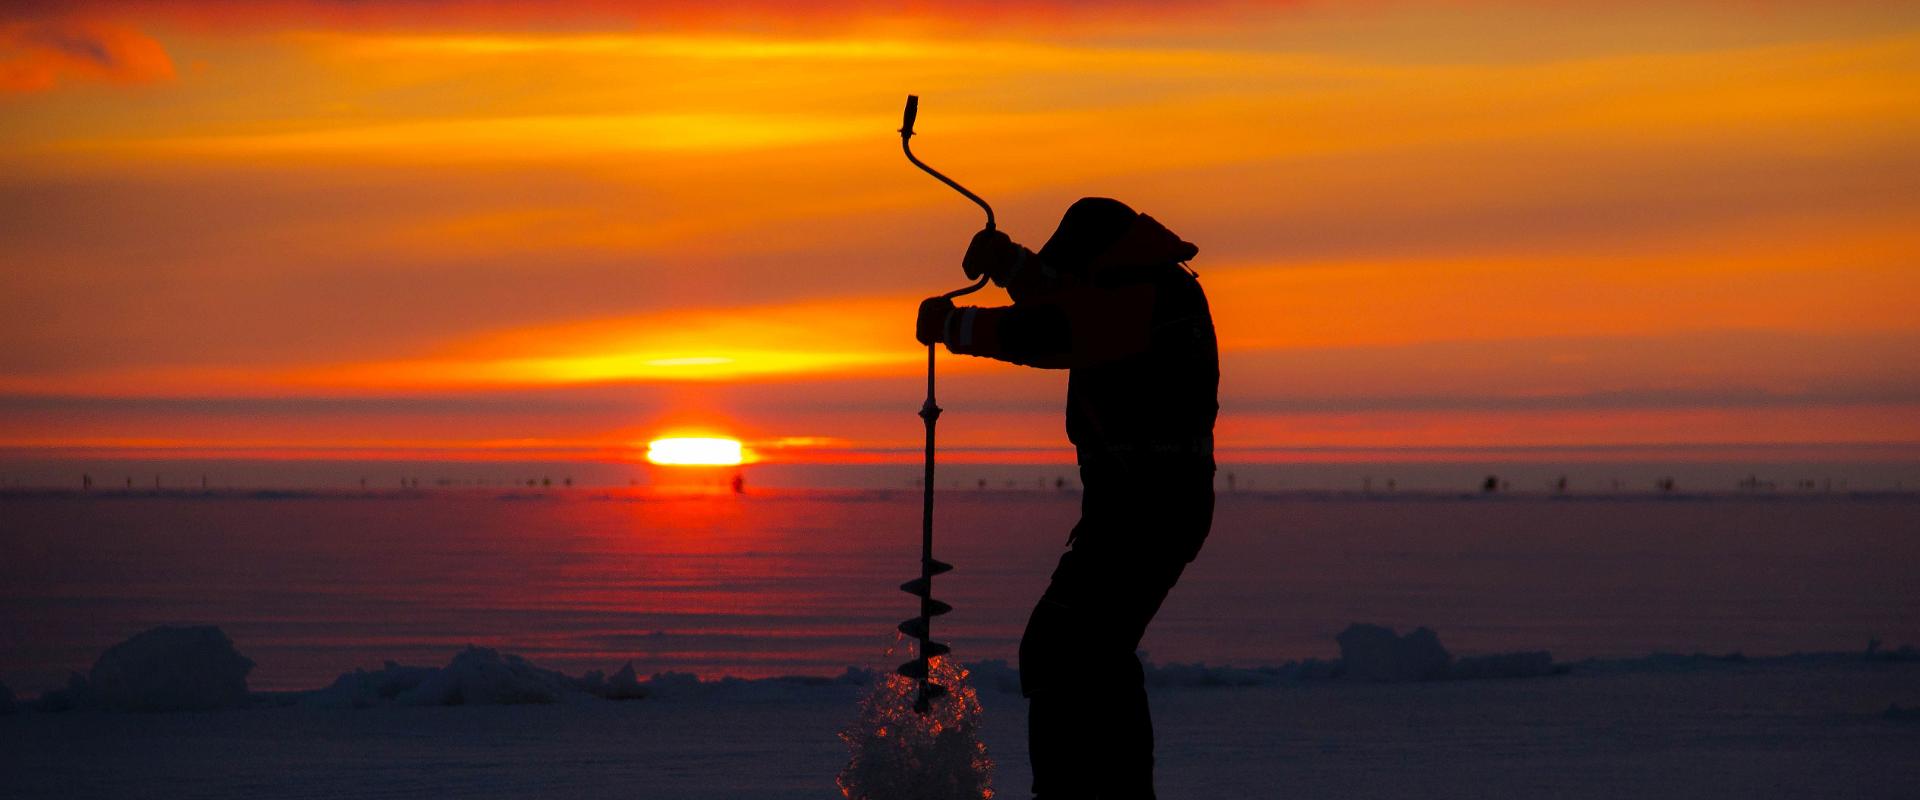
[921, 627]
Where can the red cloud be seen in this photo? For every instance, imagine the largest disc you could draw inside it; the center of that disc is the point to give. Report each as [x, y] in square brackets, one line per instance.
[39, 55]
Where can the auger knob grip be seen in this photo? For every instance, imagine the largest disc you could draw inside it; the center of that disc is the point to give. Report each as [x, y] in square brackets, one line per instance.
[906, 119]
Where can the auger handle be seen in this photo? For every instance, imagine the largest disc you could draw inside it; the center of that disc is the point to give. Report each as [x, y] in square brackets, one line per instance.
[906, 132]
[921, 627]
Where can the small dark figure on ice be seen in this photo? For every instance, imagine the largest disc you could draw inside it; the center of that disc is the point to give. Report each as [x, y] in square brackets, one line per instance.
[1109, 298]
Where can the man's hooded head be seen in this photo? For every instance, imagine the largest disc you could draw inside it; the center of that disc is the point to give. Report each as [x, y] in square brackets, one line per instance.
[1098, 233]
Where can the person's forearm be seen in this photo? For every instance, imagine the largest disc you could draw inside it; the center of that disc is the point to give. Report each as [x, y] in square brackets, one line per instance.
[1030, 336]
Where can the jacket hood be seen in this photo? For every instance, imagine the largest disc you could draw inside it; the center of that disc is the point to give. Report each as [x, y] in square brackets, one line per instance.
[1100, 233]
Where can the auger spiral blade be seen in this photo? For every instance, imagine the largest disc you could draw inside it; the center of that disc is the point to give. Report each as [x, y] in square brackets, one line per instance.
[916, 627]
[918, 669]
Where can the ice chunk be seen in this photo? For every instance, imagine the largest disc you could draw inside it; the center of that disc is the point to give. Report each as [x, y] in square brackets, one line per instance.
[170, 669]
[483, 676]
[1376, 653]
[1505, 665]
[74, 696]
[1903, 654]
[624, 685]
[475, 676]
[363, 689]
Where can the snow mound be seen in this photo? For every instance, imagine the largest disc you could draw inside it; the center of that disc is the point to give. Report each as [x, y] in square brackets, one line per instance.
[483, 676]
[169, 669]
[1369, 652]
[1376, 653]
[74, 696]
[1530, 664]
[363, 689]
[782, 688]
[475, 676]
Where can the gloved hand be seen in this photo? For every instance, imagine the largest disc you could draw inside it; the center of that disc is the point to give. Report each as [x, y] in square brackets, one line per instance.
[931, 327]
[993, 254]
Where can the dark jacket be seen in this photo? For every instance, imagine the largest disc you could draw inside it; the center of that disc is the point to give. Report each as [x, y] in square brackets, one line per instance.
[1110, 299]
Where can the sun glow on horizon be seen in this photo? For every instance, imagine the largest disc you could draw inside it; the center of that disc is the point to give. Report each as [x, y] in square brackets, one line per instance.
[708, 451]
[465, 231]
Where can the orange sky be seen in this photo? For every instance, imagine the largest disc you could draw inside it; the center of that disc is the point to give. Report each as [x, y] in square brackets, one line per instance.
[426, 227]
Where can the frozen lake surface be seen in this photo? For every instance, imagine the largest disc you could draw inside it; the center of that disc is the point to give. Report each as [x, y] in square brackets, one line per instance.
[804, 582]
[313, 585]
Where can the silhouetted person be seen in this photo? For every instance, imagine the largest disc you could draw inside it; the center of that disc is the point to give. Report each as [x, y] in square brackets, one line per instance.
[739, 483]
[1109, 298]
[1491, 484]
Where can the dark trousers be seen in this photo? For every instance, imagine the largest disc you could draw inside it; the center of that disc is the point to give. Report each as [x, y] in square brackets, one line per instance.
[1089, 733]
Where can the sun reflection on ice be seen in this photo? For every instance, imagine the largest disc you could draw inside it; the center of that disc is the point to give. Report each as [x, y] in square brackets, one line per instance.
[895, 753]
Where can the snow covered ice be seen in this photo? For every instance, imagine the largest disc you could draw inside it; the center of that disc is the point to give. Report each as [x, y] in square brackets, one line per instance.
[1665, 726]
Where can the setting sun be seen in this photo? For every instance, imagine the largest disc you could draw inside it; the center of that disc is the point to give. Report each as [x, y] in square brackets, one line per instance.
[701, 451]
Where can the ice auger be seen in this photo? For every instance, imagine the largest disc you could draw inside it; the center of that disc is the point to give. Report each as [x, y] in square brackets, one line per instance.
[921, 627]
